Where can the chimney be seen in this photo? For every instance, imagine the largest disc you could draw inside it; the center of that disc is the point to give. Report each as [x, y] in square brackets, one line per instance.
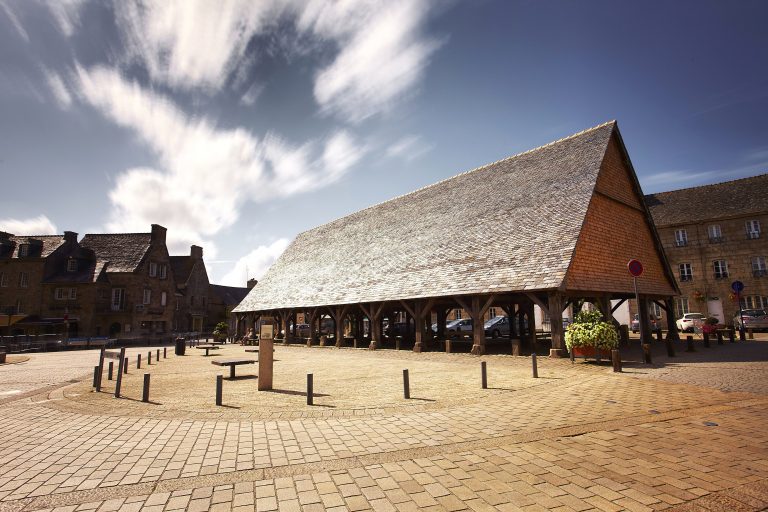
[196, 252]
[4, 237]
[158, 233]
[70, 236]
[252, 283]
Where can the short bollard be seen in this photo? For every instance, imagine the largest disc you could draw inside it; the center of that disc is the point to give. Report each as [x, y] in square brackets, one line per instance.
[310, 391]
[751, 334]
[219, 386]
[165, 352]
[125, 365]
[138, 361]
[534, 365]
[406, 385]
[149, 358]
[670, 348]
[158, 355]
[647, 353]
[447, 346]
[719, 337]
[706, 340]
[598, 357]
[397, 343]
[689, 342]
[659, 335]
[732, 335]
[95, 375]
[121, 362]
[483, 375]
[573, 358]
[742, 335]
[616, 359]
[145, 391]
[110, 370]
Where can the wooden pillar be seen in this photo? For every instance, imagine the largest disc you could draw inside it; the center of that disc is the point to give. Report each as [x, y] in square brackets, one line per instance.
[375, 320]
[284, 325]
[478, 333]
[555, 301]
[530, 313]
[418, 324]
[605, 308]
[340, 313]
[442, 315]
[645, 322]
[672, 333]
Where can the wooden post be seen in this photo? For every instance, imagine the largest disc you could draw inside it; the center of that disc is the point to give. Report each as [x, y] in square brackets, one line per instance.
[158, 355]
[122, 362]
[672, 333]
[732, 334]
[483, 375]
[670, 347]
[149, 358]
[534, 365]
[138, 361]
[719, 337]
[145, 391]
[101, 370]
[616, 359]
[418, 324]
[706, 340]
[266, 358]
[406, 385]
[478, 332]
[647, 353]
[339, 315]
[644, 319]
[442, 315]
[310, 389]
[110, 370]
[624, 335]
[165, 352]
[375, 320]
[556, 321]
[95, 376]
[125, 365]
[689, 342]
[219, 386]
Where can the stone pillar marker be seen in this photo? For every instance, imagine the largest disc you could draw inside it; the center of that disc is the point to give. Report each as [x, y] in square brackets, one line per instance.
[266, 357]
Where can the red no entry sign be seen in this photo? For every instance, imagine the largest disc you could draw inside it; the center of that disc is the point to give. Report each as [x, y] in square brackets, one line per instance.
[635, 268]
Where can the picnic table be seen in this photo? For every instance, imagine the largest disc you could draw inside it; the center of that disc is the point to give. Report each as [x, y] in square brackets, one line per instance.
[232, 363]
[208, 347]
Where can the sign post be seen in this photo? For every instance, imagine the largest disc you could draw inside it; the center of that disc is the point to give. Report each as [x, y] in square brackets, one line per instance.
[636, 270]
[266, 335]
[738, 287]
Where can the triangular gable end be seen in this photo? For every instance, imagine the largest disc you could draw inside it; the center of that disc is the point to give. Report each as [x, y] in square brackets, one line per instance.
[616, 229]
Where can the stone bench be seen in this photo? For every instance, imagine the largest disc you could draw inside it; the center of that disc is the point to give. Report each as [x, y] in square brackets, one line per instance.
[232, 363]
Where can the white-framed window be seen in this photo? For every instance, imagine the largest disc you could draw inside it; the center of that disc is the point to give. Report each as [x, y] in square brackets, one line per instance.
[163, 298]
[715, 234]
[3, 280]
[23, 280]
[686, 272]
[754, 302]
[61, 294]
[491, 312]
[721, 269]
[71, 265]
[681, 305]
[654, 309]
[163, 271]
[23, 250]
[72, 293]
[753, 228]
[147, 296]
[758, 266]
[152, 269]
[118, 296]
[681, 237]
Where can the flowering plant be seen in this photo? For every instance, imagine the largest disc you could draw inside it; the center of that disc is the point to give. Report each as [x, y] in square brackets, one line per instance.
[589, 330]
[698, 296]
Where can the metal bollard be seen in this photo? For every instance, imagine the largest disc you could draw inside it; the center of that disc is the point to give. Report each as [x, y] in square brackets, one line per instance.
[219, 386]
[534, 365]
[138, 361]
[483, 375]
[110, 370]
[145, 391]
[706, 340]
[616, 359]
[689, 341]
[647, 353]
[310, 390]
[95, 375]
[670, 348]
[406, 385]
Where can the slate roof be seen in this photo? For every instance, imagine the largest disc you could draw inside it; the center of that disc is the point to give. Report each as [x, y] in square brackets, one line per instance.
[49, 243]
[229, 295]
[123, 251]
[508, 226]
[746, 196]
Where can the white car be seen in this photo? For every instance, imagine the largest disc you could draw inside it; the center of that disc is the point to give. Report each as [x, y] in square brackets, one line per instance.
[690, 321]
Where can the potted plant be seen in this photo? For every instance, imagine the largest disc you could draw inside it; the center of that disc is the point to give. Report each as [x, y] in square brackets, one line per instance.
[220, 332]
[589, 334]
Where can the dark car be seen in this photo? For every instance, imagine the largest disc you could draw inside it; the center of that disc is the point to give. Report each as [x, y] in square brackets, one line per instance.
[655, 323]
[459, 327]
[496, 327]
[396, 329]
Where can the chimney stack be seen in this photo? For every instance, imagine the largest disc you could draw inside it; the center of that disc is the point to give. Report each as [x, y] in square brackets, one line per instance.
[252, 283]
[158, 233]
[196, 252]
[70, 236]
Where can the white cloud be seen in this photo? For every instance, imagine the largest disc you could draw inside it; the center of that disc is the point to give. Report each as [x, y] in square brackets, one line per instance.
[67, 14]
[408, 148]
[251, 95]
[255, 263]
[14, 21]
[205, 174]
[40, 225]
[59, 90]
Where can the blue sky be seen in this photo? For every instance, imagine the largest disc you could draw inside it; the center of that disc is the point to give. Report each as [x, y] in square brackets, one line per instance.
[239, 124]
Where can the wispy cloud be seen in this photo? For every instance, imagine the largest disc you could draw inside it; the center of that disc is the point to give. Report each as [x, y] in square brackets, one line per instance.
[40, 225]
[408, 148]
[67, 14]
[205, 174]
[58, 89]
[669, 180]
[255, 263]
[14, 20]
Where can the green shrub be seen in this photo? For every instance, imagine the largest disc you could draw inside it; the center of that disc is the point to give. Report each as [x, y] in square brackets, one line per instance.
[589, 330]
[221, 328]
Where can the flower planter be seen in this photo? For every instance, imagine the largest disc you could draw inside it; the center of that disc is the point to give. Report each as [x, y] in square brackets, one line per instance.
[584, 352]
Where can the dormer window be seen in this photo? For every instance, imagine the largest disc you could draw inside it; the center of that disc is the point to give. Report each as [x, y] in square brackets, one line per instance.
[23, 250]
[71, 265]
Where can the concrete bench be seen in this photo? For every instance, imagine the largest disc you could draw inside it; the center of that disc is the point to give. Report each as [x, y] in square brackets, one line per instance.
[232, 363]
[207, 348]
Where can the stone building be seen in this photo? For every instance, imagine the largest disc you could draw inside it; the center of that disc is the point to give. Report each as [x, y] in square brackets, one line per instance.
[714, 235]
[223, 299]
[192, 292]
[546, 227]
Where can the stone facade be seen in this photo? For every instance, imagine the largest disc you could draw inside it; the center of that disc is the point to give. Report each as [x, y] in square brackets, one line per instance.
[192, 292]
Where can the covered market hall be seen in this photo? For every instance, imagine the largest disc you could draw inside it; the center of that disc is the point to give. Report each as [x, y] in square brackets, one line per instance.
[549, 227]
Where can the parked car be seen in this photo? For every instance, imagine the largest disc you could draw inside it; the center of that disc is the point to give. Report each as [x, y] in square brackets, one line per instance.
[302, 330]
[690, 321]
[655, 323]
[497, 326]
[396, 329]
[752, 319]
[459, 327]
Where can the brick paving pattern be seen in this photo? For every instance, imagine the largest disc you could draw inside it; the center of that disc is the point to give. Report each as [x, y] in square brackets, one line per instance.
[579, 438]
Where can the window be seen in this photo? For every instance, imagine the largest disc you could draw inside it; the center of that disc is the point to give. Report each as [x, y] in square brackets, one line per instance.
[73, 294]
[681, 238]
[163, 271]
[457, 312]
[23, 250]
[721, 269]
[71, 265]
[754, 302]
[715, 234]
[23, 280]
[118, 295]
[147, 296]
[654, 309]
[61, 293]
[753, 228]
[163, 298]
[3, 280]
[681, 304]
[686, 273]
[491, 312]
[758, 266]
[152, 269]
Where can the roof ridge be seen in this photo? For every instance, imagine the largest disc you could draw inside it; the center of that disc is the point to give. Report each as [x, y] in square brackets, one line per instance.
[37, 236]
[115, 234]
[708, 185]
[425, 187]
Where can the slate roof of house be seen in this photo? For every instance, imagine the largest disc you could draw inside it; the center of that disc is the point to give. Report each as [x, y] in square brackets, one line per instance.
[123, 251]
[48, 244]
[746, 196]
[229, 295]
[508, 226]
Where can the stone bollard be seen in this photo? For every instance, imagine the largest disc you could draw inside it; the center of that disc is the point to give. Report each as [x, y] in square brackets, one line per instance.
[616, 360]
[689, 342]
[310, 390]
[706, 340]
[534, 365]
[719, 337]
[406, 385]
[397, 343]
[483, 375]
[145, 391]
[742, 336]
[309, 342]
[647, 353]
